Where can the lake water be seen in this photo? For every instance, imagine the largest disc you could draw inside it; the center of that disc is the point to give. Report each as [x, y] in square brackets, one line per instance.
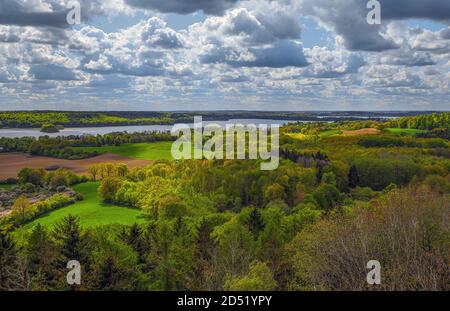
[12, 133]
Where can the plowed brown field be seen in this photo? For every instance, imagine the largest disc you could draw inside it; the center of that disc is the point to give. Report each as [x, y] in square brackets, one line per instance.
[12, 163]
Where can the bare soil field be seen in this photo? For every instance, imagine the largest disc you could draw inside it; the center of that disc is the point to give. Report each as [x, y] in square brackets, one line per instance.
[12, 163]
[366, 131]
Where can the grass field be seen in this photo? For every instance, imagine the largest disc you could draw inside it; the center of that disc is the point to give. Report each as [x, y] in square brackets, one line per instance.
[405, 131]
[330, 133]
[90, 211]
[142, 151]
[6, 186]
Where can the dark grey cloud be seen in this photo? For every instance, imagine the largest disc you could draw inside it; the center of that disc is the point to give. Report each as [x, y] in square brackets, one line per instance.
[281, 54]
[214, 7]
[445, 34]
[21, 13]
[348, 19]
[8, 36]
[438, 10]
[52, 72]
[262, 27]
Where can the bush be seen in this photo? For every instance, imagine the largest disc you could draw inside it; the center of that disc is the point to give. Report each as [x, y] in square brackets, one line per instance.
[26, 212]
[108, 188]
[31, 175]
[363, 193]
[49, 128]
[259, 278]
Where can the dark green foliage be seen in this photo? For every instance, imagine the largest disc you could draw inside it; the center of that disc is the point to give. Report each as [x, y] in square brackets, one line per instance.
[255, 222]
[70, 241]
[353, 177]
[378, 173]
[8, 261]
[49, 128]
[108, 275]
[30, 175]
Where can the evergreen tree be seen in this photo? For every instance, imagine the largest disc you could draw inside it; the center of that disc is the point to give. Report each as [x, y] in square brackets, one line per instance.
[353, 177]
[134, 238]
[71, 245]
[8, 261]
[68, 234]
[41, 255]
[203, 252]
[108, 275]
[255, 223]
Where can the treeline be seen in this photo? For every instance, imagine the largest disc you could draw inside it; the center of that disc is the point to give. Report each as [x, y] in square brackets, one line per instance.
[36, 119]
[62, 147]
[394, 141]
[423, 122]
[443, 133]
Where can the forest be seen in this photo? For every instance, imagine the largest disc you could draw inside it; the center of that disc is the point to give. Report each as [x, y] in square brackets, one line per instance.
[39, 119]
[344, 193]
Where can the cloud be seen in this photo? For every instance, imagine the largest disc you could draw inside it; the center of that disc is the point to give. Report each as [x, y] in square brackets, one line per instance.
[247, 52]
[348, 19]
[429, 41]
[445, 34]
[140, 50]
[52, 72]
[330, 64]
[438, 10]
[249, 38]
[213, 7]
[45, 13]
[281, 54]
[155, 33]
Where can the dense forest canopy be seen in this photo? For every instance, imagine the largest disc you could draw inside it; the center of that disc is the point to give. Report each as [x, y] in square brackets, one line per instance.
[341, 196]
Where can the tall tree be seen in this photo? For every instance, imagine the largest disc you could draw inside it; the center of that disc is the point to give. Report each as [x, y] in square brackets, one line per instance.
[8, 261]
[255, 222]
[41, 254]
[353, 177]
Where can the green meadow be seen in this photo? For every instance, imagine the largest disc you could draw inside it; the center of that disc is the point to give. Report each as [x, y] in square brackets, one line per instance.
[142, 151]
[330, 133]
[91, 211]
[6, 186]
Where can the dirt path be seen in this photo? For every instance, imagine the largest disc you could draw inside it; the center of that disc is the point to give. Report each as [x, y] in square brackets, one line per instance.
[12, 163]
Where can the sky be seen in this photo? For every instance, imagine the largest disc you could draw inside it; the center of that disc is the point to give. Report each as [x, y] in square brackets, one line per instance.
[170, 55]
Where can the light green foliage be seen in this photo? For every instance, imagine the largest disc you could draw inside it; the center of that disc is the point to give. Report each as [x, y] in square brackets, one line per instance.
[259, 278]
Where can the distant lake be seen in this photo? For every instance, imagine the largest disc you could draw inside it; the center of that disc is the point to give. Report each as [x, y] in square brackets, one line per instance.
[12, 133]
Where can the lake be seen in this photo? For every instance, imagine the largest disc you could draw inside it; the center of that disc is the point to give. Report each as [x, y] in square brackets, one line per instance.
[12, 133]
